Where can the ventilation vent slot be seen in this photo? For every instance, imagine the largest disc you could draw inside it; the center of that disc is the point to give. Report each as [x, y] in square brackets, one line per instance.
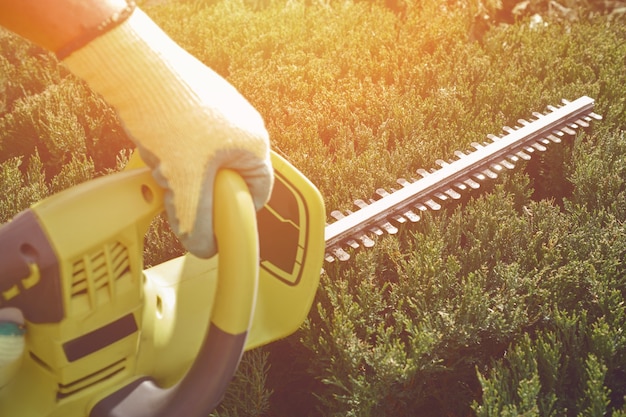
[95, 275]
[73, 387]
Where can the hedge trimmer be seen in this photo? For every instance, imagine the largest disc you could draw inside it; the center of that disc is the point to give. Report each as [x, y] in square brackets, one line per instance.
[104, 337]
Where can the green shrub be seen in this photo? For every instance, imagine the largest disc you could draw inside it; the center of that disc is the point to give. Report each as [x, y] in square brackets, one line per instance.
[510, 304]
[570, 370]
[20, 190]
[248, 395]
[25, 70]
[599, 173]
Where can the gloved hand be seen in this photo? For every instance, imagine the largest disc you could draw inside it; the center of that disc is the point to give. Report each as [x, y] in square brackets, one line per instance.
[186, 120]
[11, 343]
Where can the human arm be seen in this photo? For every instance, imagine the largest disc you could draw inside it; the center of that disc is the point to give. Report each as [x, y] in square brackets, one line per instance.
[55, 24]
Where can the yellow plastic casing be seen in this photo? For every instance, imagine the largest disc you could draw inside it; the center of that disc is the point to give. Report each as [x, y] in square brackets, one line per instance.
[96, 230]
[130, 322]
[285, 295]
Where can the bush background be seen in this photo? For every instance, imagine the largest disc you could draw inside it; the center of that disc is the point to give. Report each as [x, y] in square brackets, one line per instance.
[509, 304]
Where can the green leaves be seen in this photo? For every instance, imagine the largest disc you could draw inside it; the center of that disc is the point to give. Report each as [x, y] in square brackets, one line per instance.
[599, 172]
[248, 395]
[511, 304]
[19, 190]
[562, 371]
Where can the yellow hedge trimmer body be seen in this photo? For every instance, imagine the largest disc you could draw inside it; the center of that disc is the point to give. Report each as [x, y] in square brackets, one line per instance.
[97, 321]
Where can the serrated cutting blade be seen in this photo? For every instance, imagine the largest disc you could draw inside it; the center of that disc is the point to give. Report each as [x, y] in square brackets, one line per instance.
[466, 172]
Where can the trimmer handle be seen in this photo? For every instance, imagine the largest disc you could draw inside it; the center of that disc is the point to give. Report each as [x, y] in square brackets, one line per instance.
[202, 388]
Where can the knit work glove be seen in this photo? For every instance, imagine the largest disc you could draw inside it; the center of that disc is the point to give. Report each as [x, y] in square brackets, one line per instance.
[185, 119]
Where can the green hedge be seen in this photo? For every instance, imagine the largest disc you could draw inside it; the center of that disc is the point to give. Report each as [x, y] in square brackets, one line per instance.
[510, 304]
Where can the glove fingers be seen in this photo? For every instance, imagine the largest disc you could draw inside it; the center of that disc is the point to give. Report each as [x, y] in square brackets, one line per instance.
[258, 175]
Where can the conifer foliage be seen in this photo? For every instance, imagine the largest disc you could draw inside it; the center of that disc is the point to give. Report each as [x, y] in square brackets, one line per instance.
[509, 304]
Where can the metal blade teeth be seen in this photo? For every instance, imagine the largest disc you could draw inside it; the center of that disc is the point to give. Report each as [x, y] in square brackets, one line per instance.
[513, 158]
[554, 139]
[337, 215]
[420, 206]
[413, 218]
[353, 244]
[460, 186]
[507, 164]
[403, 182]
[423, 172]
[433, 205]
[405, 215]
[453, 194]
[582, 123]
[463, 173]
[539, 147]
[378, 229]
[366, 241]
[440, 196]
[473, 184]
[360, 203]
[528, 149]
[340, 254]
[490, 174]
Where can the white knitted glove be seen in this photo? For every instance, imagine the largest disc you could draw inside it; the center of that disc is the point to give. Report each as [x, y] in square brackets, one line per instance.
[186, 120]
